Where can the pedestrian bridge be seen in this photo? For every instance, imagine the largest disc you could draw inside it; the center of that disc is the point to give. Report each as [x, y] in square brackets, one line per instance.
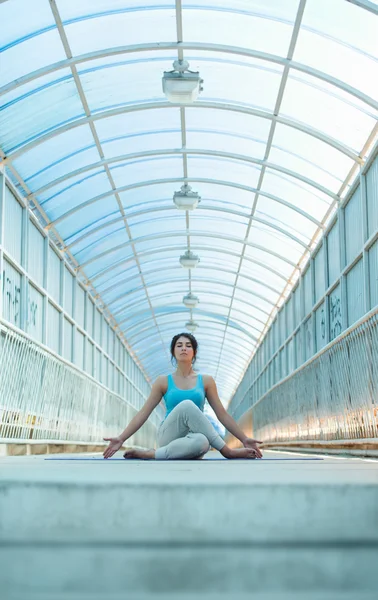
[234, 194]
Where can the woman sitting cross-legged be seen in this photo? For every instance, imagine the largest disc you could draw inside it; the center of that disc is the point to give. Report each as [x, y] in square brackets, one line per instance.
[185, 432]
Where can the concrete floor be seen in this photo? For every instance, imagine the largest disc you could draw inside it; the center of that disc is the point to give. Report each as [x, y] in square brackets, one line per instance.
[78, 529]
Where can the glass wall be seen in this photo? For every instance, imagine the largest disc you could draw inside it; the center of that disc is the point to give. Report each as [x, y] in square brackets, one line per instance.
[43, 296]
[338, 285]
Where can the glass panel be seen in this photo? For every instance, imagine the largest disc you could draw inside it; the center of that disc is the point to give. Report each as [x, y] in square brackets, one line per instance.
[347, 47]
[353, 226]
[122, 84]
[330, 110]
[158, 140]
[21, 122]
[373, 268]
[68, 195]
[141, 170]
[247, 30]
[333, 251]
[285, 218]
[335, 313]
[110, 30]
[53, 153]
[224, 169]
[73, 227]
[35, 313]
[12, 225]
[53, 327]
[308, 150]
[355, 293]
[372, 197]
[11, 290]
[30, 55]
[102, 262]
[269, 238]
[297, 193]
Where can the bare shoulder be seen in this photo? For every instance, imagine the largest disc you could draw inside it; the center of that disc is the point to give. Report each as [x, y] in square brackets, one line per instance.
[161, 383]
[207, 380]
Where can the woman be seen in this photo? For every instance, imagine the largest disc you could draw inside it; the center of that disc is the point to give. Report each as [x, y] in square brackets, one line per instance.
[185, 432]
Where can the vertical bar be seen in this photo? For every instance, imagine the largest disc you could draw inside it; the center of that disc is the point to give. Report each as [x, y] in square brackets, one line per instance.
[61, 302]
[2, 219]
[326, 297]
[45, 299]
[24, 312]
[343, 290]
[365, 254]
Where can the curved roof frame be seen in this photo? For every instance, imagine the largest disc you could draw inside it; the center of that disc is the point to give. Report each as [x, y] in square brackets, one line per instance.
[158, 236]
[204, 130]
[181, 46]
[184, 279]
[180, 152]
[105, 114]
[179, 249]
[268, 224]
[174, 268]
[178, 180]
[169, 208]
[220, 295]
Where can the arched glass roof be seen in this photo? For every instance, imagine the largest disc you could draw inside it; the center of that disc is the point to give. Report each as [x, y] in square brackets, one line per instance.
[286, 118]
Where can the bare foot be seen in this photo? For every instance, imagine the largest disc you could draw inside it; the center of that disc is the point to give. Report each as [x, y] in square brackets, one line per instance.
[143, 454]
[238, 452]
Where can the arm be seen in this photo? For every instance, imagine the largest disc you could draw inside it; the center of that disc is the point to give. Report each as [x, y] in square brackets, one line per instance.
[140, 418]
[225, 418]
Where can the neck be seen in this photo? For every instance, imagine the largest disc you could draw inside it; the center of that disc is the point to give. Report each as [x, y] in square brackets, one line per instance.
[184, 370]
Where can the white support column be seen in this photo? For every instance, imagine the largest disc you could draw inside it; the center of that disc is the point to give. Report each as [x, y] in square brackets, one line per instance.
[365, 232]
[2, 218]
[24, 312]
[45, 299]
[343, 290]
[61, 302]
[326, 297]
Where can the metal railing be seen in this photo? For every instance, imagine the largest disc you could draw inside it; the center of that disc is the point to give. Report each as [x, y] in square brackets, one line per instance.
[44, 397]
[334, 396]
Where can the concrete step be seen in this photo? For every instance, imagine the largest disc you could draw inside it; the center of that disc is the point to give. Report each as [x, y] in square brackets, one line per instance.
[189, 568]
[70, 531]
[92, 512]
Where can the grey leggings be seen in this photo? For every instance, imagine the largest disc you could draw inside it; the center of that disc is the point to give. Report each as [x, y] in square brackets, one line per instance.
[186, 433]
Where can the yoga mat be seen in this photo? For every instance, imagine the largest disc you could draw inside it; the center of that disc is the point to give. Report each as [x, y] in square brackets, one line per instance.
[186, 460]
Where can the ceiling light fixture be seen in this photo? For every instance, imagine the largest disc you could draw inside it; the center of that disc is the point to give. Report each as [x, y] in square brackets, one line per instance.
[189, 260]
[181, 86]
[190, 300]
[186, 199]
[191, 325]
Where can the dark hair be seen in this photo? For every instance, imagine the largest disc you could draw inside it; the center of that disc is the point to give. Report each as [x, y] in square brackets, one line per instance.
[190, 337]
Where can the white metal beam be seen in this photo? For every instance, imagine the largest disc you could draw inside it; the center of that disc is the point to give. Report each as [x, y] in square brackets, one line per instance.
[183, 279]
[217, 269]
[178, 180]
[159, 236]
[182, 46]
[199, 104]
[147, 154]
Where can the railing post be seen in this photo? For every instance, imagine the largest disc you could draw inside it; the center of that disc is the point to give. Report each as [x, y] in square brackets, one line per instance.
[2, 217]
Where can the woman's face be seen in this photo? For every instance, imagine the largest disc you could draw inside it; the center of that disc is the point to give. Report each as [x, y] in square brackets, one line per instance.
[184, 350]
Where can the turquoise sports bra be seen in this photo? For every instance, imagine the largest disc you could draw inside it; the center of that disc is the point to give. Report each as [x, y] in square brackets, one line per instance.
[174, 395]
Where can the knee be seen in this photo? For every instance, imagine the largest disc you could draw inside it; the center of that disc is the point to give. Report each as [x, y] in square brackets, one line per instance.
[201, 443]
[187, 405]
